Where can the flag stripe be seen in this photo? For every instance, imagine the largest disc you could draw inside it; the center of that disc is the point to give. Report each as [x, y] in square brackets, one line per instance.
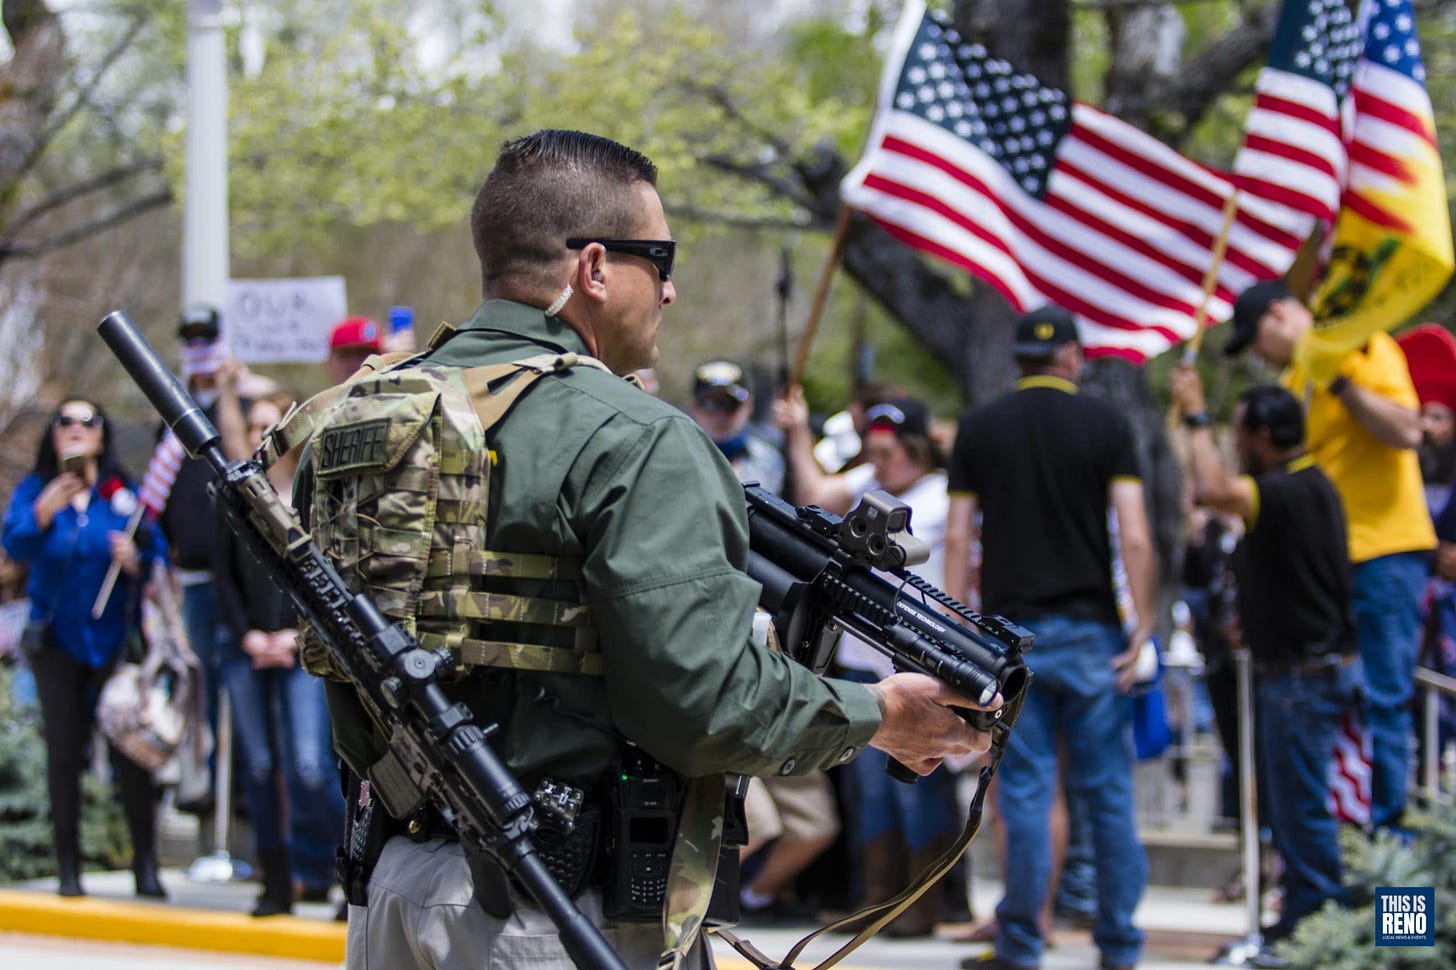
[1301, 158]
[1069, 241]
[1033, 249]
[970, 200]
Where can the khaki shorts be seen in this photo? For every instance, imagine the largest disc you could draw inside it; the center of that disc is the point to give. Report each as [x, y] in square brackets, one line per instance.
[797, 807]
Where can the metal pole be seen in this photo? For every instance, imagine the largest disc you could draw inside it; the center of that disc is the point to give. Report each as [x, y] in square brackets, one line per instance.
[1240, 952]
[1431, 754]
[221, 866]
[205, 268]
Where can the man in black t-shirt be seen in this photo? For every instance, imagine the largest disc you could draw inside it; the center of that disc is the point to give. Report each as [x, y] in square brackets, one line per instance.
[1043, 465]
[1295, 615]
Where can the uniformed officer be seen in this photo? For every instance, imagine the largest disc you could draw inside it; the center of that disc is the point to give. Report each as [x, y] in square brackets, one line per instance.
[615, 487]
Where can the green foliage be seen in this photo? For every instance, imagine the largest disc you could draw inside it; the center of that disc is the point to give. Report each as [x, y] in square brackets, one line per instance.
[1344, 939]
[25, 831]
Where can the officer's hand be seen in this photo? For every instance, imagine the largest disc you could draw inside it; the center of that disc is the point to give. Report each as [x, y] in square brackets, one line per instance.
[919, 726]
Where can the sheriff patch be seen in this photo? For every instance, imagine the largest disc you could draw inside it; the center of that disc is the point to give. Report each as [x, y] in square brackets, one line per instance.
[353, 446]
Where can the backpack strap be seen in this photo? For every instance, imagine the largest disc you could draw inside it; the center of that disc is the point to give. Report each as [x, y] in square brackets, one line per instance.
[299, 424]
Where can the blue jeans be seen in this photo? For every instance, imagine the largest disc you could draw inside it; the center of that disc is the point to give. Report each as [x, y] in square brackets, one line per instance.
[286, 706]
[208, 637]
[1073, 697]
[1388, 620]
[919, 813]
[1296, 720]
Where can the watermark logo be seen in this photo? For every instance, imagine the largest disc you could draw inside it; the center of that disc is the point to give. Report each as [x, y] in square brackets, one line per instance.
[1405, 916]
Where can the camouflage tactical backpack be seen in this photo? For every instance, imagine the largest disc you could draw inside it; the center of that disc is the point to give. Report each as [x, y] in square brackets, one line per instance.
[401, 470]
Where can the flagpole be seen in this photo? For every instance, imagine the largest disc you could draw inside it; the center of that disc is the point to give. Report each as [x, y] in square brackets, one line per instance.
[821, 291]
[114, 571]
[1210, 278]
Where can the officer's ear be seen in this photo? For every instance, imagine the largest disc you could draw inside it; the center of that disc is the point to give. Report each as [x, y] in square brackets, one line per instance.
[593, 274]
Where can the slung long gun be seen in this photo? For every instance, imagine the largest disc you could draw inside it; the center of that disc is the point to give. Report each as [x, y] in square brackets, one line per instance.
[822, 575]
[430, 737]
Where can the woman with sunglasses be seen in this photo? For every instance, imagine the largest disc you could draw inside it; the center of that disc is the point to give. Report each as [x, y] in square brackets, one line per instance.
[67, 520]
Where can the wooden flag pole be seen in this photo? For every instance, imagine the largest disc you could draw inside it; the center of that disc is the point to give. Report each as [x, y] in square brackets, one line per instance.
[821, 292]
[1210, 283]
[1210, 278]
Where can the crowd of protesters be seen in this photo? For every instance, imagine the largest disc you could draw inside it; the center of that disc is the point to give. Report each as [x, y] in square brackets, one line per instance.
[1317, 552]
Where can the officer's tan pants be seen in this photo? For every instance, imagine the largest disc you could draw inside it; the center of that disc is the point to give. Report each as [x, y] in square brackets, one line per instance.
[422, 916]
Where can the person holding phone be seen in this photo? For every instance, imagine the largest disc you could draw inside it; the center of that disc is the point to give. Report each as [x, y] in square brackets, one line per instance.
[67, 520]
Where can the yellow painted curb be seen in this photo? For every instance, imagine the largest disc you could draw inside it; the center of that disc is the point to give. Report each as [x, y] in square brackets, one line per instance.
[85, 917]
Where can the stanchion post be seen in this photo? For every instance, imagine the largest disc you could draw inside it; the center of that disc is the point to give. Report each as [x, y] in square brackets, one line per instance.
[220, 866]
[1241, 952]
[1431, 751]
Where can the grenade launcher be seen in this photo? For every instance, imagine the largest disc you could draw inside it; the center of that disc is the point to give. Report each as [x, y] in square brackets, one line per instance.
[823, 575]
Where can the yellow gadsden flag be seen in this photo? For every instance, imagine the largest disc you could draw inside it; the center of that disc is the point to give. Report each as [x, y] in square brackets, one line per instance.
[1392, 245]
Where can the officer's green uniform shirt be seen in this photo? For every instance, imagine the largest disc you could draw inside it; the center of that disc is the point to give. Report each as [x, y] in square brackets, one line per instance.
[592, 468]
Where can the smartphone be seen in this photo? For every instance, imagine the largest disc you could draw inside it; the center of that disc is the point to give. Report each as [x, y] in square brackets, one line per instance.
[75, 462]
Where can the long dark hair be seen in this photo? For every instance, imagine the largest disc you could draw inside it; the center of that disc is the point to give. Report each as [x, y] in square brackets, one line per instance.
[108, 465]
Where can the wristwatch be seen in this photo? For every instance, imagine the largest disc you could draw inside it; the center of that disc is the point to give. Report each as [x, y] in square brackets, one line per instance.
[1198, 419]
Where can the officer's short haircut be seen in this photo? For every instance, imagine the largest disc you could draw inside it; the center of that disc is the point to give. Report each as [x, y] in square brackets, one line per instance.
[1273, 407]
[546, 188]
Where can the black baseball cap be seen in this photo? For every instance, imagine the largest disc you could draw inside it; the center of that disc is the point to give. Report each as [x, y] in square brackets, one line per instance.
[1249, 309]
[1041, 332]
[720, 378]
[902, 415]
[199, 322]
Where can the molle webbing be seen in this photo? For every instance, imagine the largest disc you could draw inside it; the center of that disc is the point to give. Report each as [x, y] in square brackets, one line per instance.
[402, 471]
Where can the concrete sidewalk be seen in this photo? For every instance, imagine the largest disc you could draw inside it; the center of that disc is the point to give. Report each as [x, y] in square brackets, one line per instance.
[1185, 928]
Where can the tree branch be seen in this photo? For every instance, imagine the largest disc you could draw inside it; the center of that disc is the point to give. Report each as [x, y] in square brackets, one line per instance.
[97, 183]
[763, 175]
[83, 94]
[74, 234]
[1203, 79]
[736, 220]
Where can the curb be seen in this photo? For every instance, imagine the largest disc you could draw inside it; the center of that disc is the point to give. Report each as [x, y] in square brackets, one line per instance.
[165, 924]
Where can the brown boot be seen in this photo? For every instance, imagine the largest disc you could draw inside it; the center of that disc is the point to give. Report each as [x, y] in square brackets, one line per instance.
[882, 865]
[920, 917]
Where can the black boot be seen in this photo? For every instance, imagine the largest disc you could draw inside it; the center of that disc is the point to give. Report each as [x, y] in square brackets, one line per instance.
[144, 868]
[139, 803]
[277, 896]
[68, 869]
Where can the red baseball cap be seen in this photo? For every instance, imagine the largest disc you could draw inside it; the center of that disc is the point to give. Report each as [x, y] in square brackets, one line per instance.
[356, 332]
[1430, 353]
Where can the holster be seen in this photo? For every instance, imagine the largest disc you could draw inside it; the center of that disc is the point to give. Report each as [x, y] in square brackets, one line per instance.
[571, 858]
[367, 827]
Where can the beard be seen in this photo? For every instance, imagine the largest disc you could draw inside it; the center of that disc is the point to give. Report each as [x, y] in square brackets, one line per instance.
[1438, 461]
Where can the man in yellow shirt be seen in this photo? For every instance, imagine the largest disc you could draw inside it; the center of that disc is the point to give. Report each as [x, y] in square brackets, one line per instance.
[1363, 429]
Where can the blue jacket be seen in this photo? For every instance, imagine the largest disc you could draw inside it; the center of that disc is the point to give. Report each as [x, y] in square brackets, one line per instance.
[68, 563]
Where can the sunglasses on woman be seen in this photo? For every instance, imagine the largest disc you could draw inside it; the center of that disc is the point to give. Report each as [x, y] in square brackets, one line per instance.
[72, 420]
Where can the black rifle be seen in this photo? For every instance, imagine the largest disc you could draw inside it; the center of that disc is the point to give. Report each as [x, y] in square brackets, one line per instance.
[431, 737]
[822, 575]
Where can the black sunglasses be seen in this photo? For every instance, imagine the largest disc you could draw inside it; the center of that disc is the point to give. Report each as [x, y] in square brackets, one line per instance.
[658, 252]
[69, 421]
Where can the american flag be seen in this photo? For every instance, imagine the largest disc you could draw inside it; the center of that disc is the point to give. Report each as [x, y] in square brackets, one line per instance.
[1350, 772]
[1342, 129]
[161, 473]
[1294, 149]
[1053, 201]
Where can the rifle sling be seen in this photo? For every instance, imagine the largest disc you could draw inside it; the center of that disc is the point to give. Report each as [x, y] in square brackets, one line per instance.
[880, 914]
